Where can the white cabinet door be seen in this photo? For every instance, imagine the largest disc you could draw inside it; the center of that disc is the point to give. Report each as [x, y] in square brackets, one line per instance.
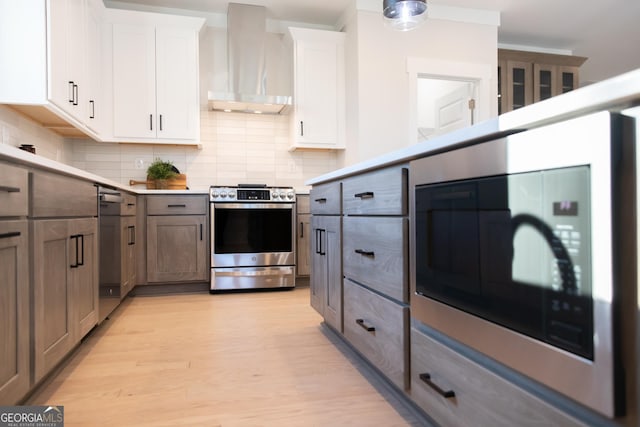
[66, 40]
[92, 96]
[319, 116]
[60, 91]
[176, 84]
[155, 89]
[134, 92]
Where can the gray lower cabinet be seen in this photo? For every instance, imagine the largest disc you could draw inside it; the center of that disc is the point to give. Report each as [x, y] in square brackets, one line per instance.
[303, 248]
[376, 272]
[303, 239]
[177, 248]
[65, 287]
[117, 273]
[14, 311]
[456, 391]
[377, 327]
[326, 268]
[64, 256]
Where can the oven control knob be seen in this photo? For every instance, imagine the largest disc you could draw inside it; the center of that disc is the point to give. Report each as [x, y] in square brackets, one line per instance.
[282, 195]
[231, 194]
[274, 195]
[290, 195]
[215, 194]
[223, 194]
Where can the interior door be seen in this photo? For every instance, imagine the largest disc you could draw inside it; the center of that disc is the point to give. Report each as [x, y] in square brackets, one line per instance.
[453, 109]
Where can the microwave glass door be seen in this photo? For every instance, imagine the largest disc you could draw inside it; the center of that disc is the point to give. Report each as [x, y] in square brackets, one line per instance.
[512, 249]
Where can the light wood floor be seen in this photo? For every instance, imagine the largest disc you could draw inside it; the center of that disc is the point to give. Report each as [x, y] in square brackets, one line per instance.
[249, 359]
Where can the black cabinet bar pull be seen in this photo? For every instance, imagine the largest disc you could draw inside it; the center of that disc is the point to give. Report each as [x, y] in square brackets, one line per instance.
[176, 206]
[365, 253]
[321, 200]
[150, 121]
[70, 92]
[365, 327]
[9, 189]
[132, 235]
[200, 232]
[93, 109]
[131, 204]
[365, 195]
[301, 230]
[9, 235]
[426, 377]
[75, 264]
[317, 230]
[322, 252]
[81, 238]
[160, 121]
[301, 128]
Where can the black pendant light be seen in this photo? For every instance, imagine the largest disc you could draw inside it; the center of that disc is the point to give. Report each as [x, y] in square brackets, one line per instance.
[404, 15]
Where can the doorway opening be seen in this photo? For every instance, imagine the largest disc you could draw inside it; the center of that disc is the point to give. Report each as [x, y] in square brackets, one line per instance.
[448, 95]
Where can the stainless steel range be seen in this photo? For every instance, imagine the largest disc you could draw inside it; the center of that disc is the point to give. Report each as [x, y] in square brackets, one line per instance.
[252, 237]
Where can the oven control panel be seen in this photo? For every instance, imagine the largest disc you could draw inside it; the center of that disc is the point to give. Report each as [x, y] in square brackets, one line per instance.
[250, 194]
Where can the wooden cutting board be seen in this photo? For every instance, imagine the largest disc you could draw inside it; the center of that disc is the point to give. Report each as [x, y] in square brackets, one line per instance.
[179, 182]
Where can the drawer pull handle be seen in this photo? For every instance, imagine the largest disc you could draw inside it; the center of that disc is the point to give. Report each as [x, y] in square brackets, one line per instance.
[176, 206]
[365, 195]
[131, 204]
[9, 235]
[365, 327]
[9, 189]
[426, 377]
[321, 200]
[365, 253]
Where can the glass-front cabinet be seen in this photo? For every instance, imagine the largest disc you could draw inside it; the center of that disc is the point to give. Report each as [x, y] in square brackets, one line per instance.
[528, 77]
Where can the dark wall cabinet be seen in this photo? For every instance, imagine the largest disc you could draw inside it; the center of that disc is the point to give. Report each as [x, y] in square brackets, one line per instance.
[528, 77]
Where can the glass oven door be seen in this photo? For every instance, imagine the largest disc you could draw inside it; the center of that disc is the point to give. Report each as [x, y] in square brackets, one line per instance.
[252, 234]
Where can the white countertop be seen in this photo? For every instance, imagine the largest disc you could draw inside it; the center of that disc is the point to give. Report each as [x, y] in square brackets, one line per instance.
[613, 94]
[18, 156]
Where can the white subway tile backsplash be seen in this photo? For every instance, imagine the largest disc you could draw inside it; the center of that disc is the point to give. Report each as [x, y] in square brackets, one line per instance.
[235, 148]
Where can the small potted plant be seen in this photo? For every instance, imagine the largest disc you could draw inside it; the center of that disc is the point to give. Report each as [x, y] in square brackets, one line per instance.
[160, 172]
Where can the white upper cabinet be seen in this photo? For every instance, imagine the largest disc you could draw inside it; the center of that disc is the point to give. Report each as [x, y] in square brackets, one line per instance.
[93, 96]
[47, 70]
[318, 118]
[155, 83]
[134, 89]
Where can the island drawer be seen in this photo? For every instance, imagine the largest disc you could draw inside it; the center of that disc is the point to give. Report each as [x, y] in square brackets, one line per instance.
[378, 328]
[455, 390]
[14, 185]
[375, 253]
[326, 199]
[382, 192]
[177, 205]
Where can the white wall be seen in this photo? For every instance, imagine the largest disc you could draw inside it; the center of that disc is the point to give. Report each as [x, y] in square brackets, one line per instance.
[378, 82]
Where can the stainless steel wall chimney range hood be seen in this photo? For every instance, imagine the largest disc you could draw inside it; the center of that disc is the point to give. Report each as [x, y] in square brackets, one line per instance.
[246, 56]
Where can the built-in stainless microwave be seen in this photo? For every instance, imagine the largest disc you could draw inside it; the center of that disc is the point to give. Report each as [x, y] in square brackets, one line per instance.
[513, 252]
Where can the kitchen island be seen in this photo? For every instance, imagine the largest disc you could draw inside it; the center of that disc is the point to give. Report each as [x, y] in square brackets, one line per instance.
[361, 286]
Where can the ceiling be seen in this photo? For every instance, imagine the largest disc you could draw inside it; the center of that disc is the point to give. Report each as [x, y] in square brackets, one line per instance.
[606, 32]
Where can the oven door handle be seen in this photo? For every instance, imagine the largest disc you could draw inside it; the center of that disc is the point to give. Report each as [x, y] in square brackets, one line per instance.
[252, 205]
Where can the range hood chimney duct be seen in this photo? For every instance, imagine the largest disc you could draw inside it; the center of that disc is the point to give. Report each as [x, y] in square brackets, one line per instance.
[246, 60]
